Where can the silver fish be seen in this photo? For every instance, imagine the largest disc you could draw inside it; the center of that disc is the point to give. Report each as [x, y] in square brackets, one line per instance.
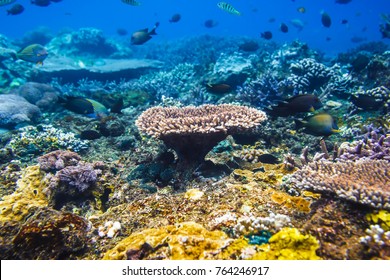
[228, 8]
[131, 2]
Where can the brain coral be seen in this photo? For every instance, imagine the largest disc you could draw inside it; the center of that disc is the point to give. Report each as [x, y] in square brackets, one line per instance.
[193, 131]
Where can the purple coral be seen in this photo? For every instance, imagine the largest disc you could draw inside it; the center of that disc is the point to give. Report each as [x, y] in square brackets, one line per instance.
[82, 176]
[58, 160]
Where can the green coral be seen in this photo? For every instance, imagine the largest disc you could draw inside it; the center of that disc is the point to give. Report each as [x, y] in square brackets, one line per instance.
[289, 244]
[381, 217]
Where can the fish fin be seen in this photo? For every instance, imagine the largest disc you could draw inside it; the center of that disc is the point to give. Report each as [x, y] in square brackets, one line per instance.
[299, 124]
[153, 31]
[14, 56]
[311, 109]
[146, 30]
[335, 130]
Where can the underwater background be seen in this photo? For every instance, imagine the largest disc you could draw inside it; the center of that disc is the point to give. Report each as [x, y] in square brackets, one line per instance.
[184, 129]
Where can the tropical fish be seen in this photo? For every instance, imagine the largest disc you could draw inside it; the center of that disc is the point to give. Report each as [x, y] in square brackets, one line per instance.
[218, 88]
[143, 35]
[41, 3]
[33, 53]
[283, 27]
[326, 20]
[302, 10]
[175, 18]
[268, 158]
[210, 23]
[321, 124]
[344, 21]
[266, 35]
[297, 23]
[249, 46]
[366, 102]
[86, 106]
[131, 2]
[298, 104]
[15, 10]
[343, 1]
[6, 2]
[228, 8]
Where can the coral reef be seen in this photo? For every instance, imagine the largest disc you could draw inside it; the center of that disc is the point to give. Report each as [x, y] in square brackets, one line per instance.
[364, 181]
[58, 160]
[193, 131]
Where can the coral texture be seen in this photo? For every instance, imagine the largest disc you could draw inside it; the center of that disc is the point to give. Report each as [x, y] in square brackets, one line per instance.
[193, 131]
[58, 160]
[365, 181]
[15, 110]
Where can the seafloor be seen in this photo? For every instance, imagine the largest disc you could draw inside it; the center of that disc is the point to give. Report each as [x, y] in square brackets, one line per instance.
[219, 181]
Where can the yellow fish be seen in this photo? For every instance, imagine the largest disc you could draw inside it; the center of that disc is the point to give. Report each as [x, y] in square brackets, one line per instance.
[131, 2]
[228, 8]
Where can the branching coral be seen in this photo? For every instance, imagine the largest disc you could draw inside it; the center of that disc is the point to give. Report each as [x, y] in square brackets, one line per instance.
[365, 181]
[193, 131]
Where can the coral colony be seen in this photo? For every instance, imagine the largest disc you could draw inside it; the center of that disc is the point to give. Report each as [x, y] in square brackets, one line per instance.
[204, 147]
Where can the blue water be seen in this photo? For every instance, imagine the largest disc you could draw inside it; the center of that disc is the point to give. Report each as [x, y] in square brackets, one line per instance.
[363, 19]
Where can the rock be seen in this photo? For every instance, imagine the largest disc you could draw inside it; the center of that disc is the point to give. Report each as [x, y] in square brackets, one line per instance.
[72, 70]
[16, 110]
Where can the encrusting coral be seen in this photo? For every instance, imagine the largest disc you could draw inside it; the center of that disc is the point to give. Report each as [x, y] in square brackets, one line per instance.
[193, 131]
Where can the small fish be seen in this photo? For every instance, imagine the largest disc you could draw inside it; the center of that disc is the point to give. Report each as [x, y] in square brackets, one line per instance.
[298, 104]
[121, 32]
[41, 3]
[143, 35]
[343, 1]
[344, 21]
[272, 19]
[302, 10]
[250, 46]
[366, 102]
[131, 2]
[328, 39]
[218, 88]
[33, 53]
[268, 158]
[321, 124]
[266, 35]
[326, 20]
[283, 27]
[86, 106]
[15, 10]
[228, 8]
[175, 18]
[210, 23]
[6, 2]
[298, 24]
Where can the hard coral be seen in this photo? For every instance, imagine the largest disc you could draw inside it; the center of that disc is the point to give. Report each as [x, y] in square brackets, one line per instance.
[193, 131]
[365, 181]
[58, 160]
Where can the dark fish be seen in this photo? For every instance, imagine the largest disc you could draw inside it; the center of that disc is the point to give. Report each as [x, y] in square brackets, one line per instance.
[121, 32]
[271, 19]
[343, 1]
[328, 39]
[228, 8]
[366, 102]
[210, 23]
[321, 124]
[34, 53]
[175, 18]
[218, 88]
[6, 2]
[131, 2]
[250, 46]
[143, 35]
[344, 21]
[326, 20]
[268, 158]
[15, 10]
[90, 134]
[360, 62]
[283, 27]
[302, 10]
[41, 3]
[266, 35]
[358, 39]
[298, 104]
[85, 106]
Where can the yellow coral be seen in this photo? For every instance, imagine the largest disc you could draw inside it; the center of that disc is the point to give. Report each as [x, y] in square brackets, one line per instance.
[381, 217]
[28, 196]
[184, 241]
[289, 244]
[291, 202]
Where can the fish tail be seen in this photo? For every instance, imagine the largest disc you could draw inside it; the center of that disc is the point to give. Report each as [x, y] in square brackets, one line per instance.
[299, 124]
[14, 56]
[153, 31]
